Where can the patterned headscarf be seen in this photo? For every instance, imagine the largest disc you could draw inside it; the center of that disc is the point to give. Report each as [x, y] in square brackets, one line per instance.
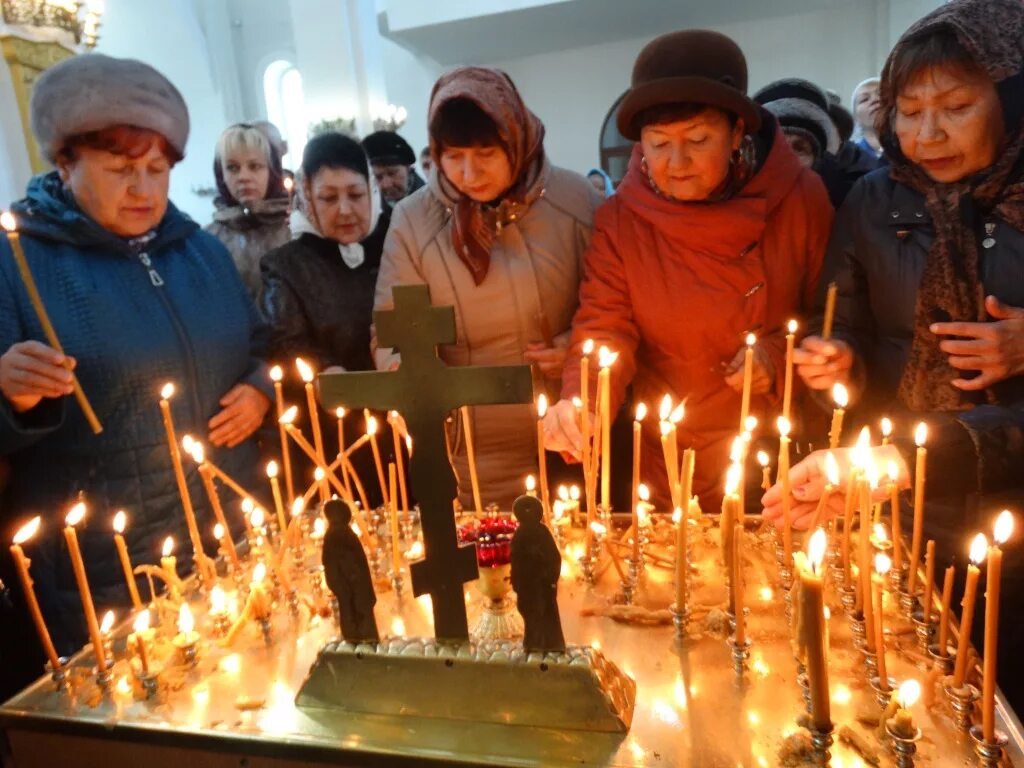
[992, 33]
[521, 132]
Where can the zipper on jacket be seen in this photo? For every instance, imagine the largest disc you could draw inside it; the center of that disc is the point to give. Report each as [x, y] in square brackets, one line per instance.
[154, 276]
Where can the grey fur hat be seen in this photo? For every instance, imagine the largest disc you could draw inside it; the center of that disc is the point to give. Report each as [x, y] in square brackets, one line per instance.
[91, 92]
[800, 104]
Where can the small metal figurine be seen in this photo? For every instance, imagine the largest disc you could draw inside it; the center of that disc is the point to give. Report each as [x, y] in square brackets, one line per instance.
[536, 566]
[348, 575]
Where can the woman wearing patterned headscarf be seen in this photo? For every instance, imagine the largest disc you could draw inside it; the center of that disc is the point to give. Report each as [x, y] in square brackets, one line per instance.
[499, 235]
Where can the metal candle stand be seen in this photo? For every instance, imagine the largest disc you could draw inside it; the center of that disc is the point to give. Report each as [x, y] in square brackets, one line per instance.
[396, 582]
[634, 575]
[267, 629]
[908, 603]
[821, 744]
[898, 579]
[805, 686]
[858, 630]
[961, 701]
[59, 675]
[870, 662]
[882, 695]
[943, 661]
[740, 655]
[588, 560]
[905, 747]
[848, 599]
[924, 630]
[104, 676]
[188, 653]
[149, 683]
[221, 623]
[990, 753]
[679, 619]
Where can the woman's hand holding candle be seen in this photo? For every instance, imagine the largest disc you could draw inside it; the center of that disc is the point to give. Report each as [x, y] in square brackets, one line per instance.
[821, 364]
[30, 371]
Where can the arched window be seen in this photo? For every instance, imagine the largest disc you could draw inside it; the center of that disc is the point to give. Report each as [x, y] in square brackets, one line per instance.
[615, 148]
[282, 89]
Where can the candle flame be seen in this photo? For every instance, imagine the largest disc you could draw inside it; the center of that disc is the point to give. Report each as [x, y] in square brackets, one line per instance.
[588, 347]
[880, 532]
[319, 527]
[641, 411]
[187, 441]
[762, 458]
[666, 408]
[258, 573]
[677, 515]
[218, 531]
[288, 183]
[415, 551]
[298, 507]
[542, 405]
[107, 623]
[76, 514]
[574, 492]
[288, 417]
[408, 444]
[641, 514]
[861, 453]
[257, 517]
[606, 358]
[305, 371]
[1003, 527]
[276, 373]
[749, 426]
[921, 434]
[198, 452]
[791, 326]
[751, 340]
[886, 426]
[319, 474]
[882, 564]
[816, 549]
[186, 623]
[531, 483]
[167, 391]
[736, 449]
[339, 413]
[577, 403]
[168, 546]
[248, 505]
[666, 428]
[371, 426]
[141, 622]
[840, 395]
[119, 521]
[909, 693]
[643, 492]
[783, 426]
[8, 222]
[563, 493]
[978, 548]
[271, 468]
[732, 479]
[598, 528]
[831, 469]
[218, 603]
[557, 509]
[28, 530]
[872, 474]
[677, 413]
[893, 470]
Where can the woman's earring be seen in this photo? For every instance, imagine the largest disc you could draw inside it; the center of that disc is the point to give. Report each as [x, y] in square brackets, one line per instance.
[643, 165]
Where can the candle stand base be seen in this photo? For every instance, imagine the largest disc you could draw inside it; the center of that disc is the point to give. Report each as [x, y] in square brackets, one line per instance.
[221, 624]
[805, 689]
[588, 563]
[740, 655]
[377, 562]
[408, 530]
[990, 753]
[898, 580]
[58, 675]
[858, 631]
[908, 603]
[188, 654]
[882, 694]
[821, 743]
[905, 747]
[149, 683]
[104, 677]
[942, 658]
[267, 629]
[924, 630]
[848, 599]
[397, 583]
[679, 619]
[238, 576]
[835, 570]
[961, 701]
[870, 662]
[634, 574]
[293, 603]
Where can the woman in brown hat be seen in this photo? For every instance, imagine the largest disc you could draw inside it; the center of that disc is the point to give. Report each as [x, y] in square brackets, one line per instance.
[715, 231]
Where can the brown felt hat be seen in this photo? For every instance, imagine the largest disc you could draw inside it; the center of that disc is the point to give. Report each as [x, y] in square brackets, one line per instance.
[689, 66]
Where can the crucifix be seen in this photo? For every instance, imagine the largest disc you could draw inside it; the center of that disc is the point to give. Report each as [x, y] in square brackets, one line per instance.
[425, 390]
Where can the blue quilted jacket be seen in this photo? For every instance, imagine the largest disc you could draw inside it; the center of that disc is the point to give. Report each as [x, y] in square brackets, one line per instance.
[135, 314]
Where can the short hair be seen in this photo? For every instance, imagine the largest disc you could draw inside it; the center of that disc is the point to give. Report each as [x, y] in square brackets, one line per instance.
[333, 150]
[675, 112]
[939, 48]
[241, 137]
[425, 152]
[128, 140]
[461, 123]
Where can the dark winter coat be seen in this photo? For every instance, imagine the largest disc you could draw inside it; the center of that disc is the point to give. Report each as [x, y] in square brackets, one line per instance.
[249, 232]
[844, 169]
[134, 316]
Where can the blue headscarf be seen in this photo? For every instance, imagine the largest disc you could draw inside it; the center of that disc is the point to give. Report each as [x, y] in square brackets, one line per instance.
[609, 185]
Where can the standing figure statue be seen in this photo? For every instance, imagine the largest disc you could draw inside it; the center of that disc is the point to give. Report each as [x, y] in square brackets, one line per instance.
[536, 566]
[348, 575]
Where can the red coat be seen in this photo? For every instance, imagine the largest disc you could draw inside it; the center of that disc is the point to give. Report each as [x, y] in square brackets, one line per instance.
[674, 287]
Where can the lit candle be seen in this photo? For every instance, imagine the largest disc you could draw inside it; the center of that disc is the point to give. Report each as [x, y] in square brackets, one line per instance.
[841, 397]
[73, 518]
[307, 375]
[727, 525]
[886, 430]
[893, 472]
[126, 563]
[830, 312]
[929, 581]
[978, 547]
[641, 414]
[882, 566]
[606, 359]
[339, 415]
[224, 539]
[641, 515]
[669, 447]
[8, 222]
[275, 489]
[831, 483]
[260, 603]
[811, 641]
[187, 637]
[787, 397]
[169, 565]
[766, 471]
[22, 564]
[584, 407]
[787, 522]
[864, 486]
[858, 459]
[920, 436]
[748, 378]
[531, 486]
[138, 639]
[737, 584]
[326, 475]
[393, 419]
[166, 393]
[947, 599]
[474, 480]
[542, 460]
[1003, 530]
[205, 472]
[276, 375]
[396, 557]
[682, 510]
[902, 723]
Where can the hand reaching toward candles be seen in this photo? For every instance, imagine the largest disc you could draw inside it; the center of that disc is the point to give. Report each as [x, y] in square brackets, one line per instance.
[822, 364]
[244, 409]
[550, 360]
[562, 429]
[30, 371]
[996, 349]
[762, 376]
[807, 480]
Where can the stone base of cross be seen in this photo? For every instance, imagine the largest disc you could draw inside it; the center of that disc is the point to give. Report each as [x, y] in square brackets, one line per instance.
[425, 391]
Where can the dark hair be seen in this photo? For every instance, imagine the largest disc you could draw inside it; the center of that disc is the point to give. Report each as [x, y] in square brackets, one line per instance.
[127, 140]
[940, 48]
[461, 123]
[660, 114]
[333, 150]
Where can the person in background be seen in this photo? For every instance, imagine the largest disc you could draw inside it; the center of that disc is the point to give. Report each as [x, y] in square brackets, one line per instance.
[425, 162]
[252, 203]
[139, 296]
[716, 230]
[865, 101]
[499, 234]
[840, 115]
[601, 181]
[393, 164]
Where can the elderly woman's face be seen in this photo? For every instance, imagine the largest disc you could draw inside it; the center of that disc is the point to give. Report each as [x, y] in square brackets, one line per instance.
[865, 108]
[246, 174]
[340, 198]
[949, 123]
[482, 174]
[125, 195]
[689, 159]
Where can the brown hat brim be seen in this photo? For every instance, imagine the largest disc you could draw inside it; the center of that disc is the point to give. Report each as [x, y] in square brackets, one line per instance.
[679, 90]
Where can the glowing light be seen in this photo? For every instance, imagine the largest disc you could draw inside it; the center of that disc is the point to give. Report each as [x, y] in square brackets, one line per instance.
[751, 339]
[272, 468]
[679, 693]
[231, 664]
[1003, 527]
[666, 428]
[753, 718]
[259, 573]
[783, 426]
[319, 528]
[677, 515]
[978, 549]
[760, 666]
[167, 391]
[886, 427]
[666, 408]
[606, 358]
[371, 425]
[840, 395]
[883, 564]
[198, 453]
[577, 403]
[8, 222]
[531, 484]
[641, 411]
[909, 693]
[678, 413]
[168, 548]
[861, 453]
[218, 531]
[276, 373]
[880, 533]
[841, 694]
[123, 686]
[28, 530]
[791, 326]
[588, 347]
[415, 551]
[319, 474]
[339, 413]
[831, 469]
[574, 492]
[749, 426]
[664, 712]
[893, 471]
[921, 434]
[558, 509]
[107, 624]
[598, 528]
[542, 406]
[187, 442]
[762, 458]
[816, 549]
[736, 449]
[218, 603]
[288, 417]
[298, 507]
[643, 492]
[305, 371]
[248, 505]
[397, 626]
[186, 623]
[141, 622]
[563, 492]
[767, 594]
[257, 517]
[76, 514]
[732, 479]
